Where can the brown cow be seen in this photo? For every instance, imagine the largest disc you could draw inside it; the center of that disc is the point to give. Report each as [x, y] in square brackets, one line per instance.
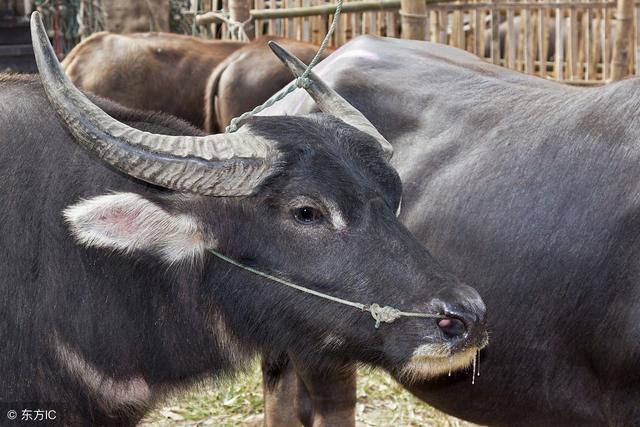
[149, 71]
[248, 77]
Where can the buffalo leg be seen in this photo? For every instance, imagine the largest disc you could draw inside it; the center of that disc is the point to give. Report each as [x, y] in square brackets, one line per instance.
[280, 388]
[296, 395]
[332, 395]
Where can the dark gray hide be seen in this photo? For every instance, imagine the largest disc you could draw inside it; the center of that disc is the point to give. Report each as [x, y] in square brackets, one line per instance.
[99, 327]
[529, 190]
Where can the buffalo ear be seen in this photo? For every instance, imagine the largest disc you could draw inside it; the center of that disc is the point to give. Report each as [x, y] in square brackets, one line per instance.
[128, 222]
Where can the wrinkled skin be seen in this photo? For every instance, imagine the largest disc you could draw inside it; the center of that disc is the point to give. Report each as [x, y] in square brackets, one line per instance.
[105, 313]
[528, 189]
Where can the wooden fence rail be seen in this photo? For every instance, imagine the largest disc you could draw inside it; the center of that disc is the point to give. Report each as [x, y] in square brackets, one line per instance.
[564, 40]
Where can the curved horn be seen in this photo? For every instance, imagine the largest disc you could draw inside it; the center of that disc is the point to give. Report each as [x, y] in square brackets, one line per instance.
[215, 165]
[328, 99]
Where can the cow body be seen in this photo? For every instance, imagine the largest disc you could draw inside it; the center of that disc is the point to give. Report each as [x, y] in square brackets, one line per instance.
[149, 71]
[529, 190]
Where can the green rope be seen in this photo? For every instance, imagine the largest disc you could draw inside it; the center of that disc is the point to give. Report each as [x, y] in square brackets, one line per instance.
[379, 313]
[301, 82]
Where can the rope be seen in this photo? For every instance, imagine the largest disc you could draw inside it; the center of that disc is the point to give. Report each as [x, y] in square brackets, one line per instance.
[381, 314]
[301, 82]
[235, 29]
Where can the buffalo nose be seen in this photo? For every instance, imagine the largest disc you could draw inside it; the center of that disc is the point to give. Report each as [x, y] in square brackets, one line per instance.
[460, 322]
[452, 327]
[463, 314]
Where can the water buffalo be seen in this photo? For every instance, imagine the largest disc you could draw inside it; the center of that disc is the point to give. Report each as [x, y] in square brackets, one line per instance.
[181, 75]
[113, 290]
[247, 78]
[529, 189]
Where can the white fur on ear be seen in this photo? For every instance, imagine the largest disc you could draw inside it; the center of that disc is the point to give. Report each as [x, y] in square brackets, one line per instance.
[128, 222]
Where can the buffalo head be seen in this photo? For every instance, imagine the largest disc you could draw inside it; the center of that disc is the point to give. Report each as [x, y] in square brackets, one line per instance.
[311, 199]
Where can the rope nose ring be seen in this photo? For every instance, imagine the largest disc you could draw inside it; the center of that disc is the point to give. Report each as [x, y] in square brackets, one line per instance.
[381, 314]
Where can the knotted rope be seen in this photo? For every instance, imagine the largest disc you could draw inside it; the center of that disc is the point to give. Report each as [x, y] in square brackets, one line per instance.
[301, 82]
[381, 314]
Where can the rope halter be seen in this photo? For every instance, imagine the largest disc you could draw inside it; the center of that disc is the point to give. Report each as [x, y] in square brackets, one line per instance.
[381, 314]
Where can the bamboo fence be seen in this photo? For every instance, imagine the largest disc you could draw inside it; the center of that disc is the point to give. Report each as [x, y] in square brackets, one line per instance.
[564, 40]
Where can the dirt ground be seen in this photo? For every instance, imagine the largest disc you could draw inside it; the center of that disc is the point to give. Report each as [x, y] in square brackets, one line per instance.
[238, 402]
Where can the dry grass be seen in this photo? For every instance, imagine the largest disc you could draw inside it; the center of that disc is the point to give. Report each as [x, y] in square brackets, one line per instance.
[381, 402]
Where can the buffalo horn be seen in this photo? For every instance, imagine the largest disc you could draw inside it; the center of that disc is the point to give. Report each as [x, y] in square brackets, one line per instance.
[214, 165]
[328, 99]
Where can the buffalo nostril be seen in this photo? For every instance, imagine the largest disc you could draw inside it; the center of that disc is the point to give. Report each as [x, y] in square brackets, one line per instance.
[452, 327]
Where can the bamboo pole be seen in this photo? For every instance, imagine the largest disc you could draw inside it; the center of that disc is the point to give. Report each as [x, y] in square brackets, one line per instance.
[495, 35]
[572, 46]
[355, 24]
[528, 42]
[442, 26]
[546, 40]
[521, 39]
[542, 42]
[596, 48]
[510, 40]
[477, 22]
[582, 32]
[258, 24]
[637, 41]
[433, 23]
[632, 51]
[298, 24]
[427, 26]
[391, 25]
[413, 14]
[560, 21]
[624, 21]
[289, 24]
[606, 28]
[342, 29]
[459, 29]
[588, 19]
[373, 23]
[324, 9]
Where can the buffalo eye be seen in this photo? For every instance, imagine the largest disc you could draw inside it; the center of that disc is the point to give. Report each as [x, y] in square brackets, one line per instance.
[307, 215]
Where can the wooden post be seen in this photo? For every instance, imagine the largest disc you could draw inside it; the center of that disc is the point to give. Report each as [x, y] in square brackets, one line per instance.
[414, 19]
[495, 34]
[239, 11]
[572, 45]
[510, 40]
[478, 16]
[606, 45]
[637, 41]
[443, 18]
[621, 54]
[560, 21]
[528, 41]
